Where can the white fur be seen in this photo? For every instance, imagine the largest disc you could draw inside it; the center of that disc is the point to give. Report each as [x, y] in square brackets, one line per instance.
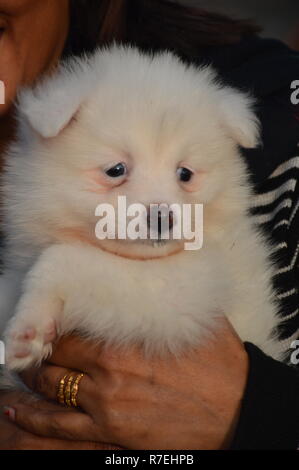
[156, 112]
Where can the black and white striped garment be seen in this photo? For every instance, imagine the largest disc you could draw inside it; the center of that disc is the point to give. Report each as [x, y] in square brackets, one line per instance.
[276, 210]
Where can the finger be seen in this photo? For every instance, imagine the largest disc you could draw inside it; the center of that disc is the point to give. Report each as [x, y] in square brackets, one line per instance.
[25, 441]
[13, 437]
[66, 425]
[46, 379]
[11, 399]
[73, 352]
[36, 443]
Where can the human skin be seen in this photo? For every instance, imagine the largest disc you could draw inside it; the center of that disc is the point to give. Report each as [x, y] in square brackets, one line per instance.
[32, 37]
[13, 437]
[190, 403]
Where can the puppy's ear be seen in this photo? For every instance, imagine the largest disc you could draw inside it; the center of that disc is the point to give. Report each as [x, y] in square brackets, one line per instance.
[239, 119]
[51, 104]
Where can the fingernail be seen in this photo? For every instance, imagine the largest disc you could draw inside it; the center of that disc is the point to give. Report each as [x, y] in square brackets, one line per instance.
[9, 412]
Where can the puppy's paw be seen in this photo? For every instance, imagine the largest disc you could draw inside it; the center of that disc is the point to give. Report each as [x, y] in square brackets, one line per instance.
[26, 345]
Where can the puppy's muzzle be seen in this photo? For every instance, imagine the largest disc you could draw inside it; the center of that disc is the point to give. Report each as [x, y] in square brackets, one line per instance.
[160, 222]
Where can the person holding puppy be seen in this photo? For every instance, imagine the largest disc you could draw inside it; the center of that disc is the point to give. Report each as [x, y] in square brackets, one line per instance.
[225, 394]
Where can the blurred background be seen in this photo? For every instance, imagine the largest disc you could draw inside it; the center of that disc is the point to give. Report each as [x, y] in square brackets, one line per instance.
[278, 18]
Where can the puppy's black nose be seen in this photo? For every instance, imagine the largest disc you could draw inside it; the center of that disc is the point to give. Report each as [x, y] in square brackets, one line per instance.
[160, 220]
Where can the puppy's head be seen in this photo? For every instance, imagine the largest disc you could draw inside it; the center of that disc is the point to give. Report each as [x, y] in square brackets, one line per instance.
[121, 123]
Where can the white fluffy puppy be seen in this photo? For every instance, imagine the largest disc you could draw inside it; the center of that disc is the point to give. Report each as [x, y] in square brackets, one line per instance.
[156, 131]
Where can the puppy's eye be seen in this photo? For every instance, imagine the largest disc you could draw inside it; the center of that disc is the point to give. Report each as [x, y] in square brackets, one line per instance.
[117, 171]
[184, 174]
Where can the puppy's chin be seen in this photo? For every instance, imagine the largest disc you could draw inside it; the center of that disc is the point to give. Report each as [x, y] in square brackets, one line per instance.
[137, 250]
[142, 249]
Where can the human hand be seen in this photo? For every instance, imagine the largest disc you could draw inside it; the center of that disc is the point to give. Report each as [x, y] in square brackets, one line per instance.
[12, 437]
[187, 403]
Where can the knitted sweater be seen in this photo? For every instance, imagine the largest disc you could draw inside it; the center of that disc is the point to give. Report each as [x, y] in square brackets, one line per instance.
[267, 68]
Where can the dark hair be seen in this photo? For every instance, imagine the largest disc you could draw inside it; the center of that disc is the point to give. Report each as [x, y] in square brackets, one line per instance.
[151, 25]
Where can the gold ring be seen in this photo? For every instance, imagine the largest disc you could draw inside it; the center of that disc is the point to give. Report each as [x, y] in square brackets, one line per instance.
[60, 393]
[68, 389]
[75, 390]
